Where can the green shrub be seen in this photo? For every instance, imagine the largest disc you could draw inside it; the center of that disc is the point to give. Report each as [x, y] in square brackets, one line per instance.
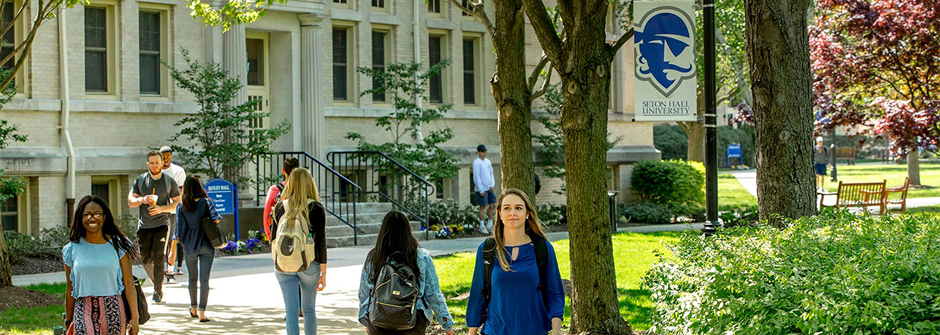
[671, 140]
[669, 182]
[22, 245]
[56, 237]
[449, 212]
[128, 225]
[646, 212]
[744, 216]
[836, 273]
[551, 215]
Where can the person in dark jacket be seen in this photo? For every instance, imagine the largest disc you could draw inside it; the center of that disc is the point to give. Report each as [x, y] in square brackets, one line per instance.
[301, 198]
[190, 233]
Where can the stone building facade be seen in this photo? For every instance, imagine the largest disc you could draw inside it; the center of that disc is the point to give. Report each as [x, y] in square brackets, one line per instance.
[300, 59]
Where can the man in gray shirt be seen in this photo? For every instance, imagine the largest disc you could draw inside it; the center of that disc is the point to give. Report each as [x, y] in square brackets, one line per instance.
[821, 160]
[157, 196]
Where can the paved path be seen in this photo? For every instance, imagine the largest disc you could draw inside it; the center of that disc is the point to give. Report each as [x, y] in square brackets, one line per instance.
[245, 298]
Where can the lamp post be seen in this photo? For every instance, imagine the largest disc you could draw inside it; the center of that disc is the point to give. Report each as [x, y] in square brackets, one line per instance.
[711, 123]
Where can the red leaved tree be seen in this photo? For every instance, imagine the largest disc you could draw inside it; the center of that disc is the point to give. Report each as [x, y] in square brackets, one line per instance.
[879, 61]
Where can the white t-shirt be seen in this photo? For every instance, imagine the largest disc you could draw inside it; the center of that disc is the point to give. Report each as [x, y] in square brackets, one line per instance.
[177, 173]
[483, 174]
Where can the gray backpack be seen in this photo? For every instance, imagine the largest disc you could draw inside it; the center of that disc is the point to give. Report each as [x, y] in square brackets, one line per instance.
[395, 296]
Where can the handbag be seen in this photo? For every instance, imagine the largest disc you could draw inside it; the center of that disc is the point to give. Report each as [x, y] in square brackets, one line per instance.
[217, 237]
[143, 315]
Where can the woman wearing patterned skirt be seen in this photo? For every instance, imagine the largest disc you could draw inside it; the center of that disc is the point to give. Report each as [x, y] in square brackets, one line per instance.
[97, 269]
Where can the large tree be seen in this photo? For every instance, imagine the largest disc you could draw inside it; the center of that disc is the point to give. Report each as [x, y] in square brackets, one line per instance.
[781, 81]
[582, 58]
[9, 186]
[877, 60]
[512, 88]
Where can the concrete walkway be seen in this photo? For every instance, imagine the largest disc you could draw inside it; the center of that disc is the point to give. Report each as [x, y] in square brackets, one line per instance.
[245, 297]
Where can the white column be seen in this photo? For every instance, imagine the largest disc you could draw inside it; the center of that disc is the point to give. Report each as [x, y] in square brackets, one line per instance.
[312, 85]
[235, 59]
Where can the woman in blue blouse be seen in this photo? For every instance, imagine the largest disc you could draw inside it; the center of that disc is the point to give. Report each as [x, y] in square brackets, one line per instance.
[395, 236]
[198, 252]
[97, 269]
[516, 305]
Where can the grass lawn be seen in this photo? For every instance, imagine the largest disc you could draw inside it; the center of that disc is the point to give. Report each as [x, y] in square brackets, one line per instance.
[893, 173]
[732, 194]
[932, 210]
[633, 256]
[34, 320]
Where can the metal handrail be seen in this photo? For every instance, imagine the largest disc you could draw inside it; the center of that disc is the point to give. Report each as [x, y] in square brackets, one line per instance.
[334, 188]
[388, 180]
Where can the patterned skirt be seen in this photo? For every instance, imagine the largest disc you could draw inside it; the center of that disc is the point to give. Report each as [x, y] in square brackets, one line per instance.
[99, 316]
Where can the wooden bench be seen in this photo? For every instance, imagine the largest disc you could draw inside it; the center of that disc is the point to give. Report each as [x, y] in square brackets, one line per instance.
[901, 201]
[847, 154]
[861, 195]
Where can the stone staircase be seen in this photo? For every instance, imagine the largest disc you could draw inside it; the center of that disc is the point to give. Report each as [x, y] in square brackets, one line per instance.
[369, 221]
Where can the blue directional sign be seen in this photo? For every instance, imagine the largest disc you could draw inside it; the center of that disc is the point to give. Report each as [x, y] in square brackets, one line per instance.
[222, 194]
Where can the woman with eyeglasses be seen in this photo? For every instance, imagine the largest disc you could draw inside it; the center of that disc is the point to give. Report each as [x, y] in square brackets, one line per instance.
[97, 269]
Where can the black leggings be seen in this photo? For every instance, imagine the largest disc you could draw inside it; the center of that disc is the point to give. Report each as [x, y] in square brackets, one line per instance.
[421, 326]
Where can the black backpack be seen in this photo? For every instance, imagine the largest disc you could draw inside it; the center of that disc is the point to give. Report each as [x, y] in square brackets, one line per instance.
[395, 296]
[489, 259]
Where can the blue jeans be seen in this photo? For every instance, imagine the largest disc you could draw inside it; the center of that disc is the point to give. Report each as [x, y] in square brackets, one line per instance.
[293, 303]
[199, 265]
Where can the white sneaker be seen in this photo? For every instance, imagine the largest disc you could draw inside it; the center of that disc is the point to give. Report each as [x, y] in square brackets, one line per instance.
[484, 231]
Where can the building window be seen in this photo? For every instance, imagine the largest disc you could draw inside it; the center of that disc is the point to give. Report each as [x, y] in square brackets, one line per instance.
[469, 71]
[340, 64]
[378, 3]
[96, 49]
[434, 6]
[102, 190]
[379, 48]
[8, 214]
[434, 56]
[340, 1]
[466, 4]
[150, 48]
[8, 43]
[255, 61]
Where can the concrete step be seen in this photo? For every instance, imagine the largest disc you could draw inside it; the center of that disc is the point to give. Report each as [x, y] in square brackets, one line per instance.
[364, 240]
[364, 229]
[361, 219]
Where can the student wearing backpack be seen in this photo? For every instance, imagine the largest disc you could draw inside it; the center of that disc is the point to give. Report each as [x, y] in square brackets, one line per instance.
[402, 305]
[199, 252]
[299, 249]
[274, 194]
[516, 288]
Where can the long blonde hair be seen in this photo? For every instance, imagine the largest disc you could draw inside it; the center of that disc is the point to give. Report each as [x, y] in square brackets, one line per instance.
[532, 225]
[301, 184]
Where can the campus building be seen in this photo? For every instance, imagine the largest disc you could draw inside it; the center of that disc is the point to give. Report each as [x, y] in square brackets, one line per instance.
[93, 97]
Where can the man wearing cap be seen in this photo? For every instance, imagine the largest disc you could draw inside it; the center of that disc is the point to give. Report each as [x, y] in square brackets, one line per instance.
[484, 181]
[821, 159]
[179, 175]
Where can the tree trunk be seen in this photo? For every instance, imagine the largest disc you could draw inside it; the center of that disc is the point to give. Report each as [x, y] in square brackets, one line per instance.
[781, 81]
[6, 270]
[695, 132]
[513, 98]
[586, 89]
[913, 166]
